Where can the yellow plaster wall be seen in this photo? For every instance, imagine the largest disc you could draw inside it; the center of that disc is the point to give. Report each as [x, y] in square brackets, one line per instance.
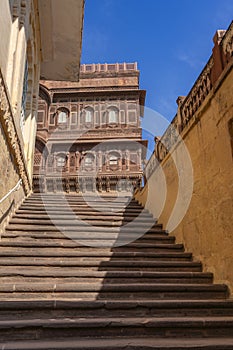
[206, 229]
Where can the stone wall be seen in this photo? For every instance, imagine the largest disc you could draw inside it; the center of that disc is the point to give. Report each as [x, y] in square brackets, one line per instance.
[8, 171]
[206, 228]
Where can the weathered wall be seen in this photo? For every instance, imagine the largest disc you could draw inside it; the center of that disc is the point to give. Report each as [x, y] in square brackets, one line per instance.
[8, 171]
[206, 229]
[5, 23]
[20, 42]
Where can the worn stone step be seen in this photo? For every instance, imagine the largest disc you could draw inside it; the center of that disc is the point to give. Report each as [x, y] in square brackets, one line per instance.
[24, 278]
[62, 242]
[62, 247]
[45, 272]
[85, 198]
[90, 206]
[15, 277]
[97, 260]
[19, 309]
[89, 216]
[119, 343]
[134, 228]
[78, 221]
[149, 287]
[158, 290]
[95, 239]
[133, 248]
[70, 261]
[82, 208]
[155, 327]
[26, 214]
[24, 235]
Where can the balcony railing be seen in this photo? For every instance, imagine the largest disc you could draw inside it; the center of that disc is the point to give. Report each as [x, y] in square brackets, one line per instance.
[189, 105]
[107, 67]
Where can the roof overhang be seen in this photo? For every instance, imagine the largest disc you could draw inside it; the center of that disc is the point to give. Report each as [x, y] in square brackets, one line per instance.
[61, 25]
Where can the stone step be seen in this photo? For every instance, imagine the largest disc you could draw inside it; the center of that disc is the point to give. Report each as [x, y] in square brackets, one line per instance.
[119, 343]
[184, 327]
[97, 260]
[67, 215]
[62, 242]
[131, 248]
[95, 196]
[91, 206]
[24, 235]
[15, 277]
[68, 209]
[79, 221]
[18, 309]
[56, 285]
[49, 272]
[58, 261]
[65, 278]
[134, 228]
[86, 198]
[153, 290]
[78, 295]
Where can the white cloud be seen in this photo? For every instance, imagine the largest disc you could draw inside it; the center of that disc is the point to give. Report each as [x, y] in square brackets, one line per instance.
[190, 61]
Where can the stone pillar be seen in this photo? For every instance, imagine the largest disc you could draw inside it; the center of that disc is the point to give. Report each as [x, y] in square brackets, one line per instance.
[179, 102]
[77, 185]
[107, 184]
[67, 183]
[218, 56]
[107, 161]
[54, 161]
[127, 160]
[55, 185]
[77, 159]
[120, 162]
[67, 166]
[139, 159]
[99, 164]
[100, 184]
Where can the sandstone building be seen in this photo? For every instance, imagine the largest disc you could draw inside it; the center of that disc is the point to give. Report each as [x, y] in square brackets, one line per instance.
[89, 136]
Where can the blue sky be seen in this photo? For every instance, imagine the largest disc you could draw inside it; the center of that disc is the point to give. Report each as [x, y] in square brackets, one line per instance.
[170, 39]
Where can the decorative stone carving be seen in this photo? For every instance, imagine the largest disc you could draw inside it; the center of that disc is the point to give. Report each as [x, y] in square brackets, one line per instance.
[227, 42]
[7, 122]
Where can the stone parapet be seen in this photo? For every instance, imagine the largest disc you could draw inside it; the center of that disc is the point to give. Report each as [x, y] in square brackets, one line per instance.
[107, 67]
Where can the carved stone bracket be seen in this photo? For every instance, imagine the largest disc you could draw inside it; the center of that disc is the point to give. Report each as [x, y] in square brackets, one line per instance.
[7, 122]
[227, 42]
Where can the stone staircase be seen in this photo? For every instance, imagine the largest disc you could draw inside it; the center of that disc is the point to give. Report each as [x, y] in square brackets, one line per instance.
[74, 277]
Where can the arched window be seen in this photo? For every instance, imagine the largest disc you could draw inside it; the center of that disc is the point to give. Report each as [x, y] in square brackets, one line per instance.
[61, 161]
[62, 117]
[113, 115]
[88, 115]
[113, 160]
[89, 160]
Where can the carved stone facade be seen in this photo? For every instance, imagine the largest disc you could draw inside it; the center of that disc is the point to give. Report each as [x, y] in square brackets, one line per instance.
[88, 135]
